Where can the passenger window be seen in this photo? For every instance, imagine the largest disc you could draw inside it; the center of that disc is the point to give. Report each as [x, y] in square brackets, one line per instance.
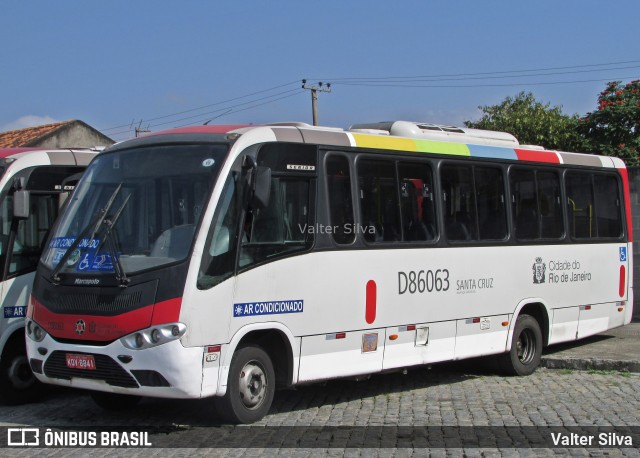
[594, 205]
[379, 201]
[473, 202]
[416, 202]
[525, 205]
[492, 215]
[340, 201]
[459, 203]
[551, 224]
[608, 208]
[537, 212]
[580, 205]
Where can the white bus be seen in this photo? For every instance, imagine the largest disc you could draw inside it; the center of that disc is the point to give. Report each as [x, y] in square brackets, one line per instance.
[229, 261]
[46, 177]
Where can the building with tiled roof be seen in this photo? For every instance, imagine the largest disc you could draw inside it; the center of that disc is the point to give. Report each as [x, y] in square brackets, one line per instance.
[66, 134]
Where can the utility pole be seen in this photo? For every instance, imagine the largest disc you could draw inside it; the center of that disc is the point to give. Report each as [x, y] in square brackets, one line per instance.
[139, 129]
[321, 87]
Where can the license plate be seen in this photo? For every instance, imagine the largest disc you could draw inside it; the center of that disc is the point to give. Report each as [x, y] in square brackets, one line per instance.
[86, 362]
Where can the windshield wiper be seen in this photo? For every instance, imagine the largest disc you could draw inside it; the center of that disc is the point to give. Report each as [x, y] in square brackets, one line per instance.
[121, 276]
[93, 226]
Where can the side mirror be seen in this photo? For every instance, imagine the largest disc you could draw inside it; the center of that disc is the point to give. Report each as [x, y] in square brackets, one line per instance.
[21, 204]
[261, 187]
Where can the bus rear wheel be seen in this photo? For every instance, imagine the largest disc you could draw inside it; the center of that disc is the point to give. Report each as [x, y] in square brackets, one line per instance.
[251, 387]
[526, 348]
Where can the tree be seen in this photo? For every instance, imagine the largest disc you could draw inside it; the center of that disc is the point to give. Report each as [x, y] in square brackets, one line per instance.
[532, 123]
[614, 128]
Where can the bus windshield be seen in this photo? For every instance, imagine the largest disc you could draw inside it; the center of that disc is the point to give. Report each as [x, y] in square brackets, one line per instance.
[135, 209]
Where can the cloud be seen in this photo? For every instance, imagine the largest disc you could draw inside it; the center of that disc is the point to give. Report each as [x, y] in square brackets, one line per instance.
[27, 121]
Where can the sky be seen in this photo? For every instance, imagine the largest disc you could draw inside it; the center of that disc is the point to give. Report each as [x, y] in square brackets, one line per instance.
[154, 65]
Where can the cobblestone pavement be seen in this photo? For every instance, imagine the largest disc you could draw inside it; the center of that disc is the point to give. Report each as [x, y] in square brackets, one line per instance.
[382, 416]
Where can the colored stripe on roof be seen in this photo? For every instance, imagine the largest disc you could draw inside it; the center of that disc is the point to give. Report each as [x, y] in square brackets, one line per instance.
[456, 149]
[492, 152]
[537, 156]
[380, 142]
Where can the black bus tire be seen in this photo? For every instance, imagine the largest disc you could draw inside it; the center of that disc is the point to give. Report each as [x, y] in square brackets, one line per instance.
[526, 348]
[250, 389]
[18, 385]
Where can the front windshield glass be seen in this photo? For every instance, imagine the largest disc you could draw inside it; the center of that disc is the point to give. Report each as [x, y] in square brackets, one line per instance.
[135, 209]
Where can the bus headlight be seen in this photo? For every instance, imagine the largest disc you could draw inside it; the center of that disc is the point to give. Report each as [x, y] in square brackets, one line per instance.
[154, 336]
[34, 331]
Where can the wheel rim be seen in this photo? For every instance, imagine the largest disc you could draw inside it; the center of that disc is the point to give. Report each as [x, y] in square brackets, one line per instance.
[526, 346]
[20, 374]
[253, 385]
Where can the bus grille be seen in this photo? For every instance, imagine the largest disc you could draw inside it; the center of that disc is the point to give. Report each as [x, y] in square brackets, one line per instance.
[106, 369]
[92, 303]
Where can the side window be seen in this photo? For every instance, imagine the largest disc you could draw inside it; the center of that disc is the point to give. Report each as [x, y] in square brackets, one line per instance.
[580, 205]
[32, 232]
[218, 259]
[525, 205]
[379, 200]
[608, 206]
[282, 227]
[340, 201]
[492, 214]
[416, 202]
[473, 202]
[459, 203]
[551, 224]
[594, 205]
[6, 216]
[537, 213]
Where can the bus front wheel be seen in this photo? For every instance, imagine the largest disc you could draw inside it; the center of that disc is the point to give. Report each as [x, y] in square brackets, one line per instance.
[18, 385]
[251, 386]
[526, 348]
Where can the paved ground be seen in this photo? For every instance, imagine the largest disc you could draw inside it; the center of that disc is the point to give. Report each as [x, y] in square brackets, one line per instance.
[446, 408]
[617, 349]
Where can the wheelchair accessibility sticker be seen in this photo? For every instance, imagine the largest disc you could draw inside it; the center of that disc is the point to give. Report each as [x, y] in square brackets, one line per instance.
[623, 254]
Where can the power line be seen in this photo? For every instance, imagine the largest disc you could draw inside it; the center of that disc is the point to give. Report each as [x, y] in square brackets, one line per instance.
[202, 120]
[244, 109]
[339, 79]
[220, 109]
[412, 79]
[204, 106]
[541, 83]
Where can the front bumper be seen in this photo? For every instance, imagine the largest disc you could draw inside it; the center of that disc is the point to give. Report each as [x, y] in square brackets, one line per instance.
[166, 371]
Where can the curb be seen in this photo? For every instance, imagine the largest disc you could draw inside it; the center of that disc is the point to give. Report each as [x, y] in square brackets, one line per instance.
[590, 364]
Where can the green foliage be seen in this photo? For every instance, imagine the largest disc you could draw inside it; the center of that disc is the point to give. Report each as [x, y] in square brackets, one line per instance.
[614, 128]
[532, 123]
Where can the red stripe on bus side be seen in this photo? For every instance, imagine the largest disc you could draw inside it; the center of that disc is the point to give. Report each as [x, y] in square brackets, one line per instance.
[537, 156]
[627, 205]
[370, 312]
[623, 280]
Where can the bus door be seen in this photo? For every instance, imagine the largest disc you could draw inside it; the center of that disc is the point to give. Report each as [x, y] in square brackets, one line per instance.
[22, 237]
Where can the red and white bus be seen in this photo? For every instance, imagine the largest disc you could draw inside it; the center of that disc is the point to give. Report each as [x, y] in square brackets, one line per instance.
[46, 176]
[229, 261]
